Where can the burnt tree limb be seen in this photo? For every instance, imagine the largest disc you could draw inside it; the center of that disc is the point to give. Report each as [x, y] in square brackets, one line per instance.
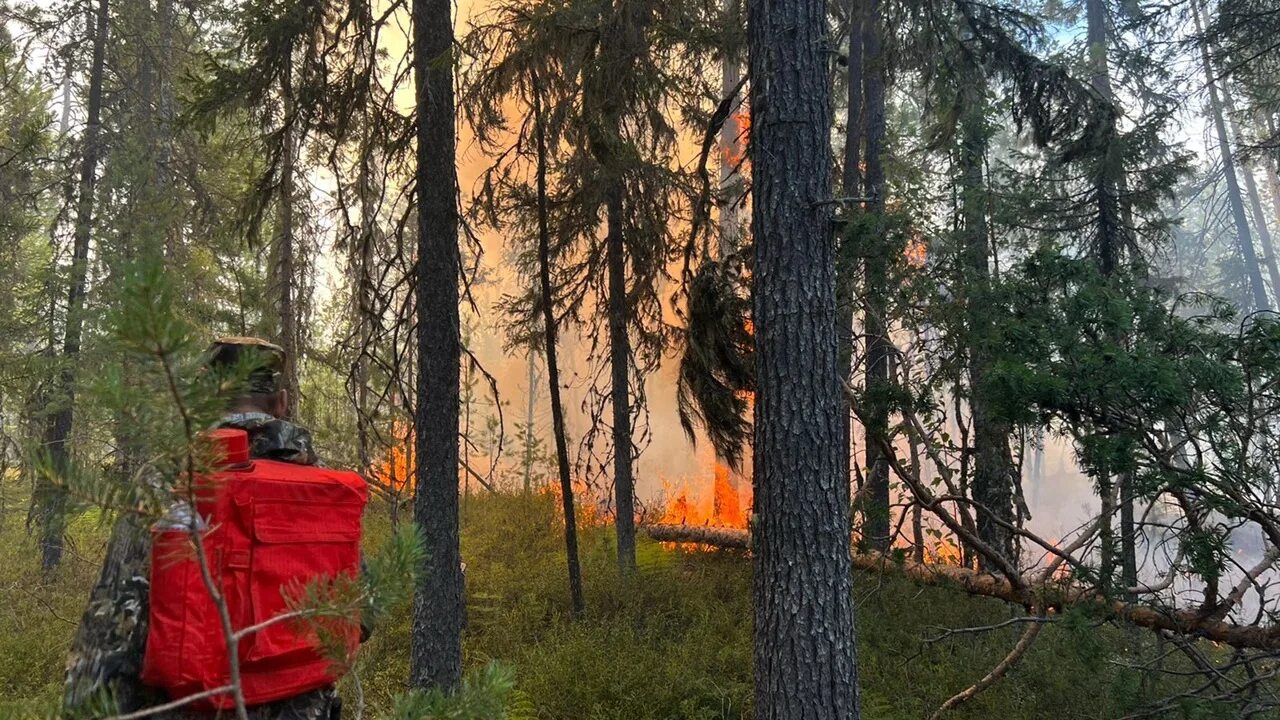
[1050, 593]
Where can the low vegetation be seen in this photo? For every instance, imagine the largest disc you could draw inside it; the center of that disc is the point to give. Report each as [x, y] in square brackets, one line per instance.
[672, 642]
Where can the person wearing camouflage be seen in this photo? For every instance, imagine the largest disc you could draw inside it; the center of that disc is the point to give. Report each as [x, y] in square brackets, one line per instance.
[106, 652]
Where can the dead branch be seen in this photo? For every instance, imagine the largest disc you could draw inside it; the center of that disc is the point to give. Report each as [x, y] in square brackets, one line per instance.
[1049, 593]
[1019, 649]
[174, 705]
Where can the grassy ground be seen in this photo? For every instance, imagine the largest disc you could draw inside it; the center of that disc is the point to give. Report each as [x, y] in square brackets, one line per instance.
[673, 642]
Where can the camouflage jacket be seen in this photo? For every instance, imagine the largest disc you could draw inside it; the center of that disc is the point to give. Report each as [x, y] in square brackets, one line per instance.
[106, 653]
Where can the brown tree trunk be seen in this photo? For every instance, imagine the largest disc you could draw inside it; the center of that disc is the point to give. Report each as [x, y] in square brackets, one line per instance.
[550, 331]
[804, 641]
[53, 499]
[436, 643]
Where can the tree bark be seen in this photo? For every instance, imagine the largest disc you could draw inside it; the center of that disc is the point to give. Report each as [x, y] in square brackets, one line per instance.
[620, 364]
[61, 420]
[804, 640]
[436, 643]
[550, 332]
[1243, 236]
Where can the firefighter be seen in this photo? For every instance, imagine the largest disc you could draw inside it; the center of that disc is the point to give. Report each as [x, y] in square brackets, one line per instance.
[108, 647]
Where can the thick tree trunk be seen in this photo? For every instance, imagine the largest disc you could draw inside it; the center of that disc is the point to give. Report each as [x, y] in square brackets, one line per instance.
[550, 331]
[53, 499]
[436, 643]
[992, 483]
[804, 640]
[620, 364]
[1243, 236]
[877, 532]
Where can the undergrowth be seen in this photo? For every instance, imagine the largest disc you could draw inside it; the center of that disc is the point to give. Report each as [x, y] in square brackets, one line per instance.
[674, 641]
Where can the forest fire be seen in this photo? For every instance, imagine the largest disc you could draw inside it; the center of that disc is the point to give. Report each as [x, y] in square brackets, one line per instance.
[393, 473]
[724, 507]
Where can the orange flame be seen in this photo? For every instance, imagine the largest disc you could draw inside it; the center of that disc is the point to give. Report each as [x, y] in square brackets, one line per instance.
[723, 508]
[395, 470]
[726, 506]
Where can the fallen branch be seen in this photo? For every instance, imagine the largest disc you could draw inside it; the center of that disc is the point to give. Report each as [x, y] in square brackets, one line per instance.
[1020, 649]
[1048, 593]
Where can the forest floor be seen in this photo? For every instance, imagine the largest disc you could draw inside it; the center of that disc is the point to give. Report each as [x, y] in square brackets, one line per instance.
[672, 642]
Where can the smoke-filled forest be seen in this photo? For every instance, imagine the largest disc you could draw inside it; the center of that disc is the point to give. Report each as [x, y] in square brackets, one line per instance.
[591, 359]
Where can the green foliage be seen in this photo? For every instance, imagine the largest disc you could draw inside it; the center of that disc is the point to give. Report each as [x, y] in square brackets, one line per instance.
[485, 694]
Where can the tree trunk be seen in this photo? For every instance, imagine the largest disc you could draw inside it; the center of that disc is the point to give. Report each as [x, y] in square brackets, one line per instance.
[547, 302]
[436, 644]
[164, 111]
[1114, 219]
[850, 186]
[877, 532]
[620, 363]
[285, 246]
[730, 146]
[804, 641]
[61, 420]
[528, 423]
[1243, 236]
[1270, 160]
[1255, 201]
[992, 482]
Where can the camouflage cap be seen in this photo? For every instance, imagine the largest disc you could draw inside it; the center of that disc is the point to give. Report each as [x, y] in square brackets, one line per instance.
[263, 360]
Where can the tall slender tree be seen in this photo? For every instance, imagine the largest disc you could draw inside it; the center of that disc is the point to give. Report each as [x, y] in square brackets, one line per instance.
[436, 644]
[992, 483]
[876, 532]
[1268, 259]
[1113, 223]
[549, 339]
[62, 418]
[804, 647]
[1244, 238]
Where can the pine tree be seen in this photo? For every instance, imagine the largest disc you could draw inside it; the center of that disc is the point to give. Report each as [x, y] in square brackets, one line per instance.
[53, 500]
[436, 651]
[804, 649]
